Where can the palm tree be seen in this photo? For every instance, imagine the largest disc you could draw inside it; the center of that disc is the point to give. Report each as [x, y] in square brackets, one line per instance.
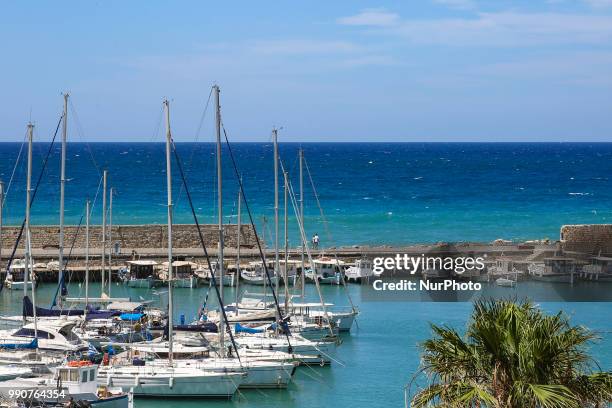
[512, 356]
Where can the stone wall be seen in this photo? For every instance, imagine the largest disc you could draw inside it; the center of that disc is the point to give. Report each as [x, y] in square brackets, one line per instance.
[131, 236]
[591, 239]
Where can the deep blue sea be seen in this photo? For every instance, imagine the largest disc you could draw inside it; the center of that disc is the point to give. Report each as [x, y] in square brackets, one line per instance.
[371, 193]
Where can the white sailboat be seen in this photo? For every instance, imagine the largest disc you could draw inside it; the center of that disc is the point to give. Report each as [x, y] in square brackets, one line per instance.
[166, 377]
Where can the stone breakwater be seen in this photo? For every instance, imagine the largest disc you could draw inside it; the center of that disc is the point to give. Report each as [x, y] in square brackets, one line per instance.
[127, 237]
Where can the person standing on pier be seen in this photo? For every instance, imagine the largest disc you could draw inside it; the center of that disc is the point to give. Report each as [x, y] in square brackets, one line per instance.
[315, 241]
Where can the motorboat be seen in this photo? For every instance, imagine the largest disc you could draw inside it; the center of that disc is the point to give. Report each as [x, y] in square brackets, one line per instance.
[362, 270]
[141, 274]
[53, 335]
[326, 271]
[183, 274]
[74, 383]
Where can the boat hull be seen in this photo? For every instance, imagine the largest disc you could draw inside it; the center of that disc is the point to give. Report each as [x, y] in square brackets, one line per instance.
[152, 384]
[189, 283]
[143, 283]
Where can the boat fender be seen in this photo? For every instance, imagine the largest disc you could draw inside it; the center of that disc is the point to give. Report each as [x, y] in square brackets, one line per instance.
[322, 363]
[109, 381]
[137, 381]
[171, 382]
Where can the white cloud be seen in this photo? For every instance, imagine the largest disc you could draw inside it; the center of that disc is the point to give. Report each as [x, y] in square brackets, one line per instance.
[508, 29]
[371, 18]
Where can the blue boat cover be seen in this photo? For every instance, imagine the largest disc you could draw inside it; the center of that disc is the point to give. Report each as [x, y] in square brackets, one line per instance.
[132, 317]
[28, 311]
[244, 329]
[21, 346]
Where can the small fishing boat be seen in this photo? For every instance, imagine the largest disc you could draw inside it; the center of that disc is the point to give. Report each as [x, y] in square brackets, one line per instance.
[505, 282]
[72, 384]
[203, 273]
[555, 269]
[341, 317]
[255, 274]
[15, 277]
[362, 270]
[326, 271]
[183, 274]
[142, 274]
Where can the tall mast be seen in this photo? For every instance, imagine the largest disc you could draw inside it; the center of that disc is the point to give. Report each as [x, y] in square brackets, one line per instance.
[104, 175]
[276, 234]
[60, 275]
[239, 225]
[303, 274]
[86, 255]
[27, 216]
[220, 213]
[1, 213]
[110, 240]
[286, 224]
[170, 267]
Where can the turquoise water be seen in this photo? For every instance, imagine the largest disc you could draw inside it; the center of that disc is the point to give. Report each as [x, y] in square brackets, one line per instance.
[376, 360]
[371, 193]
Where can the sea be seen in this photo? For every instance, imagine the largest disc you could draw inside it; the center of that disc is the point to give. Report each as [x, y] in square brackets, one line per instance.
[354, 193]
[364, 194]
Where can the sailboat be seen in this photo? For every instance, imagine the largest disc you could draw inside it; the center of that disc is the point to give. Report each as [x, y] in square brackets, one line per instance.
[166, 377]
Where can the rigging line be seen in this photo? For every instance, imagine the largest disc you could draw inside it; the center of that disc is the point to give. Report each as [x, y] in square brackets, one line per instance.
[81, 134]
[197, 138]
[158, 126]
[42, 171]
[62, 283]
[294, 204]
[212, 273]
[261, 253]
[329, 235]
[8, 187]
[93, 203]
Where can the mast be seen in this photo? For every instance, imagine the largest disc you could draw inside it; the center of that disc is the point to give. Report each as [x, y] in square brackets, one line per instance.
[169, 188]
[110, 239]
[239, 225]
[1, 213]
[276, 234]
[86, 255]
[220, 215]
[104, 175]
[303, 274]
[286, 274]
[60, 259]
[27, 217]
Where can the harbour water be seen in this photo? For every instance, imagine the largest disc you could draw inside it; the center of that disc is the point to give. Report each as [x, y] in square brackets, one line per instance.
[371, 193]
[374, 363]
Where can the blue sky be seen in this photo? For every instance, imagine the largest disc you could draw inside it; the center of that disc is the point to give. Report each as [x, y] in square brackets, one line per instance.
[420, 70]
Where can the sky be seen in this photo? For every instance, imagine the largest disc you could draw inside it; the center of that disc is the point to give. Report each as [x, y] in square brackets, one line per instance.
[418, 70]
